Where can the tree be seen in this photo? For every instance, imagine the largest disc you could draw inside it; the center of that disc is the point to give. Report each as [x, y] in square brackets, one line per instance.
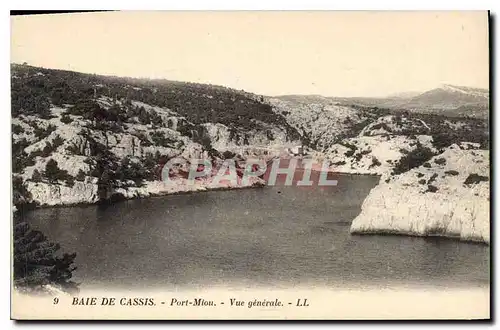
[65, 118]
[52, 171]
[80, 176]
[37, 177]
[36, 261]
[20, 194]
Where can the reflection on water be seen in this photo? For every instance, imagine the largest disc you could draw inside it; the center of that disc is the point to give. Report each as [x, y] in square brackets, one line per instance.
[280, 236]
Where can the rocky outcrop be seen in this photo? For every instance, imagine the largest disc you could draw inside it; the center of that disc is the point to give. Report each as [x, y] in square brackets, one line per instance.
[376, 155]
[58, 194]
[448, 196]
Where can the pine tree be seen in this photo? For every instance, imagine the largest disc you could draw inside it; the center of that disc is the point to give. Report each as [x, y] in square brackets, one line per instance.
[52, 171]
[80, 176]
[37, 263]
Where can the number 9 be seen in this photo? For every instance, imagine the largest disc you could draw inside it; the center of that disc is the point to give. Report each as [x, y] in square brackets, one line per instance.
[56, 301]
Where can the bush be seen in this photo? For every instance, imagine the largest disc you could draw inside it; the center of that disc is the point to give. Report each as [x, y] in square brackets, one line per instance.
[42, 133]
[427, 165]
[20, 159]
[475, 178]
[144, 139]
[53, 173]
[70, 181]
[17, 129]
[431, 188]
[80, 176]
[440, 161]
[349, 152]
[159, 139]
[66, 119]
[375, 162]
[74, 149]
[422, 181]
[413, 159]
[20, 194]
[451, 172]
[228, 154]
[37, 176]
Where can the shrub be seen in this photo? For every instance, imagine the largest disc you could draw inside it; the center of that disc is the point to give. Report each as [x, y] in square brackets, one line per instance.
[431, 188]
[433, 178]
[228, 154]
[427, 165]
[37, 176]
[20, 159]
[159, 139]
[20, 194]
[74, 149]
[375, 162]
[70, 181]
[440, 161]
[80, 176]
[419, 175]
[42, 133]
[451, 172]
[53, 173]
[144, 139]
[17, 129]
[66, 119]
[422, 181]
[475, 178]
[349, 152]
[413, 159]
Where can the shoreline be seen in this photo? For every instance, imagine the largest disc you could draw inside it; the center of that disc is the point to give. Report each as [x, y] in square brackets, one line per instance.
[471, 240]
[119, 197]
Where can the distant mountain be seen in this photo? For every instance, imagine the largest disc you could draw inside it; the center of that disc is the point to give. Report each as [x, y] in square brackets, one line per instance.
[448, 100]
[450, 97]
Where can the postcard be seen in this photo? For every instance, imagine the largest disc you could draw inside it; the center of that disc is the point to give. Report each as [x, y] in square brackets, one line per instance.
[250, 165]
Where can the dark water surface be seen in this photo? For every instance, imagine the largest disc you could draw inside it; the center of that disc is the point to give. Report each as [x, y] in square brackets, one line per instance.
[273, 236]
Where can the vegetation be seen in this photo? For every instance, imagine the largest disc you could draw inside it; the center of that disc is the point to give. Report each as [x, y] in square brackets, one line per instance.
[17, 129]
[54, 174]
[431, 188]
[43, 132]
[415, 158]
[66, 119]
[37, 261]
[20, 194]
[475, 178]
[451, 172]
[80, 176]
[199, 103]
[440, 161]
[375, 162]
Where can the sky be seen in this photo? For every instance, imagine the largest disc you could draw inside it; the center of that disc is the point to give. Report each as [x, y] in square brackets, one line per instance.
[272, 53]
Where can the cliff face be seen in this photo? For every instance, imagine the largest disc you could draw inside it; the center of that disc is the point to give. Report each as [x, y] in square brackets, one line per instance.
[448, 196]
[56, 194]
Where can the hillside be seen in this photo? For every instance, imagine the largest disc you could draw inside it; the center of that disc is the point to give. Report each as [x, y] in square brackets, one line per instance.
[81, 138]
